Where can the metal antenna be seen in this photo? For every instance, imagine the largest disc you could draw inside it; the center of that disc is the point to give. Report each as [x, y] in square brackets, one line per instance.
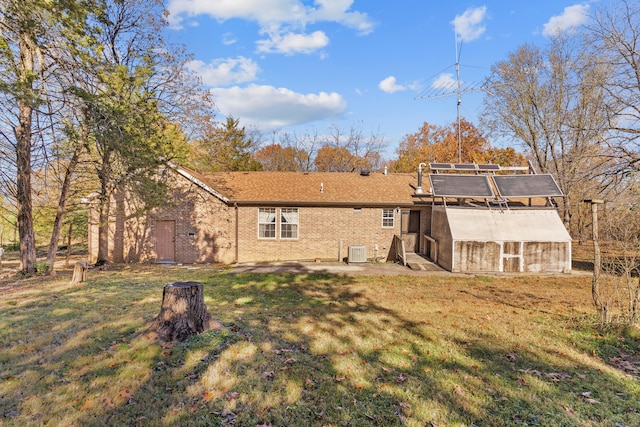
[450, 89]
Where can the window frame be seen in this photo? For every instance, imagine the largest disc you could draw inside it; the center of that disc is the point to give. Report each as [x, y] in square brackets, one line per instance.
[386, 218]
[262, 225]
[290, 226]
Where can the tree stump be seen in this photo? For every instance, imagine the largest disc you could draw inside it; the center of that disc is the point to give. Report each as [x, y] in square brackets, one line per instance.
[183, 312]
[79, 273]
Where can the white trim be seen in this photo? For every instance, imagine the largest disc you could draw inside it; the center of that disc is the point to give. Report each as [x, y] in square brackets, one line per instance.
[196, 181]
[392, 218]
[297, 223]
[275, 224]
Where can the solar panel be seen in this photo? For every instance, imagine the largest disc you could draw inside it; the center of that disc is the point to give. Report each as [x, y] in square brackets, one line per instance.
[436, 166]
[542, 185]
[489, 167]
[463, 186]
[465, 166]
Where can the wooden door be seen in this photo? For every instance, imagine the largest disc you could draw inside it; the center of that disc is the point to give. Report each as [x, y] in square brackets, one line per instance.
[165, 241]
[410, 230]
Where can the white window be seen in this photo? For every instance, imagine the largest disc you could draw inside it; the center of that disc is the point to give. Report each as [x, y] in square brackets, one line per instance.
[289, 223]
[267, 223]
[388, 218]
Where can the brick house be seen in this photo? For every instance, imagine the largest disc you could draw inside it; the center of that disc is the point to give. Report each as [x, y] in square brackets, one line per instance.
[234, 217]
[238, 217]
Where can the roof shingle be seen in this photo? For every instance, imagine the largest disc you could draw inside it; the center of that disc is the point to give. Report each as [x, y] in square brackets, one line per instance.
[311, 188]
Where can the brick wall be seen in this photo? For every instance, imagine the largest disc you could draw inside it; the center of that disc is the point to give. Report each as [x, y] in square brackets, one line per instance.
[324, 232]
[204, 227]
[205, 231]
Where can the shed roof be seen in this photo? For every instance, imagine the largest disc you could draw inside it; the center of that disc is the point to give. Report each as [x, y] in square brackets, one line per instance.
[528, 225]
[309, 188]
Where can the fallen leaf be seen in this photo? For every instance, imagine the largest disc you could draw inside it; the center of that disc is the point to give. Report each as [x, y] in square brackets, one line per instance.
[207, 396]
[401, 378]
[309, 382]
[458, 390]
[232, 395]
[90, 403]
[557, 376]
[125, 393]
[267, 375]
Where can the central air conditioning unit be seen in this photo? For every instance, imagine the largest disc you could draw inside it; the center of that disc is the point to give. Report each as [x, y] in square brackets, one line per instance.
[357, 254]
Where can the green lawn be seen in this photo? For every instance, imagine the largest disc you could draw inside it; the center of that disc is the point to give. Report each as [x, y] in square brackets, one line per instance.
[315, 350]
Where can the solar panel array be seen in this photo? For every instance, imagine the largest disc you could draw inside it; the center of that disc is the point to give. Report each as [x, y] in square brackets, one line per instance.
[542, 185]
[458, 185]
[507, 186]
[464, 167]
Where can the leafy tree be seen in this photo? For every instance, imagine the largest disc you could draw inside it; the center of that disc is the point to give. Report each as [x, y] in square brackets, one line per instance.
[226, 147]
[138, 82]
[36, 36]
[274, 157]
[335, 159]
[440, 144]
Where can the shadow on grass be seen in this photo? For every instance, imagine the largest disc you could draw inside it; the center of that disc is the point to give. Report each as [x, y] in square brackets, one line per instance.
[296, 349]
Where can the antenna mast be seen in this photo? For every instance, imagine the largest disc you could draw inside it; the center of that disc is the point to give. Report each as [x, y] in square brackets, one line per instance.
[449, 90]
[455, 36]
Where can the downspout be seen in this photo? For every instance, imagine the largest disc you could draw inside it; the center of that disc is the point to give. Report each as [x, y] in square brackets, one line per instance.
[237, 232]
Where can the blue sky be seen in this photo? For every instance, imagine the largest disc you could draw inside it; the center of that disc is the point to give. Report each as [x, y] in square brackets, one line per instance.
[307, 65]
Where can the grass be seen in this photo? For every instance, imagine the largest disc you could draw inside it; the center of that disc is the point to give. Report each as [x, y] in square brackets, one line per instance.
[314, 350]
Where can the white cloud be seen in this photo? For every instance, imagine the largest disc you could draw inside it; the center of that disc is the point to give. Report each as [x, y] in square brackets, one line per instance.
[572, 16]
[444, 82]
[293, 43]
[338, 11]
[272, 14]
[228, 39]
[389, 85]
[227, 71]
[470, 25]
[269, 108]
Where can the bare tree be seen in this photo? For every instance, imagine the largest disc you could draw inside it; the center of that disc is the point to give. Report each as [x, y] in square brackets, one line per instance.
[614, 33]
[617, 288]
[551, 101]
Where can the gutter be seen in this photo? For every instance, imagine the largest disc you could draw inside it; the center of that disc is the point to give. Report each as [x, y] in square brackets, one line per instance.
[294, 203]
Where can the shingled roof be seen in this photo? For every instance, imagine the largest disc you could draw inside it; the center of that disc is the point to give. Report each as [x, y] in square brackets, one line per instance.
[308, 188]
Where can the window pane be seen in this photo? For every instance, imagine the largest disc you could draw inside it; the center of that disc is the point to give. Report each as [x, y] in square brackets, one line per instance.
[289, 223]
[267, 223]
[388, 218]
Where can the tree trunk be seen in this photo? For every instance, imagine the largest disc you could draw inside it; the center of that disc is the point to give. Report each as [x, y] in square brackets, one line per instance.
[23, 160]
[79, 273]
[104, 207]
[62, 207]
[183, 312]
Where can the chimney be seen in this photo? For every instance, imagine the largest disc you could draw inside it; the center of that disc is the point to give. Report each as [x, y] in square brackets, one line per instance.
[419, 187]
